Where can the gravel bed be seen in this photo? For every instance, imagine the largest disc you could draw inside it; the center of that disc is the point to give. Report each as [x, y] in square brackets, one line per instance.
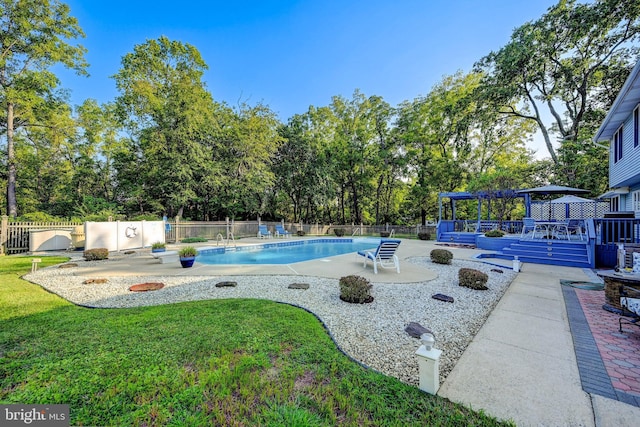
[372, 334]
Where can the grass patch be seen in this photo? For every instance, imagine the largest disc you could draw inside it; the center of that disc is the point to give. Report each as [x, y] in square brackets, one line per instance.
[194, 240]
[221, 362]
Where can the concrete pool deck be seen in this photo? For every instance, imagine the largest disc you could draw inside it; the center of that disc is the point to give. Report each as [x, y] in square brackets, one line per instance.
[335, 267]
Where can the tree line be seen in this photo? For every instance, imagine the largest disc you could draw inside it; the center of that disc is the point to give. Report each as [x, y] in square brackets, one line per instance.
[165, 146]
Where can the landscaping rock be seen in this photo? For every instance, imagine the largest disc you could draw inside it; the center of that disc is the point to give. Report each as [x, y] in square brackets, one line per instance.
[299, 286]
[144, 287]
[416, 329]
[442, 297]
[226, 284]
[94, 281]
[68, 265]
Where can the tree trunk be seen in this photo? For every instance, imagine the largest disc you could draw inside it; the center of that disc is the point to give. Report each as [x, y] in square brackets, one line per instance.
[342, 205]
[378, 198]
[12, 205]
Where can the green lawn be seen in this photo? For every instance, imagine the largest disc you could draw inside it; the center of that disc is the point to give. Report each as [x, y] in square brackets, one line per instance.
[223, 362]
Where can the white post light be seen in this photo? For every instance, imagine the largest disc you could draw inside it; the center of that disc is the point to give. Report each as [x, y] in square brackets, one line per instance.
[516, 264]
[429, 364]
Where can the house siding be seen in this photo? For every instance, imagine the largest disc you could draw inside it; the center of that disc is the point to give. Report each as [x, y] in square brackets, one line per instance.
[626, 171]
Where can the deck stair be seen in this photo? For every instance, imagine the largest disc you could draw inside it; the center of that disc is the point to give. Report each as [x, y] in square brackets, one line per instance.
[455, 237]
[549, 251]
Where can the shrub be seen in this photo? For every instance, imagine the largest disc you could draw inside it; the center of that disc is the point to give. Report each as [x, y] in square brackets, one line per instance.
[385, 233]
[424, 235]
[494, 233]
[96, 254]
[39, 216]
[339, 232]
[473, 279]
[188, 251]
[441, 256]
[145, 217]
[158, 245]
[193, 240]
[300, 233]
[355, 289]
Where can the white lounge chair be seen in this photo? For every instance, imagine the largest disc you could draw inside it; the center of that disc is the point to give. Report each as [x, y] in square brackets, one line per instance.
[384, 255]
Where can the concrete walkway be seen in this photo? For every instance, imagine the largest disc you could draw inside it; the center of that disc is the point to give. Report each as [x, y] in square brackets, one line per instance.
[521, 366]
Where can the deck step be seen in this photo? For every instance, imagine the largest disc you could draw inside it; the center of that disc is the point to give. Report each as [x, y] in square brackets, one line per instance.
[551, 252]
[567, 262]
[561, 252]
[453, 237]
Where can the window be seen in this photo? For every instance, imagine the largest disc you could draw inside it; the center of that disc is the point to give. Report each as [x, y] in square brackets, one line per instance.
[614, 204]
[617, 145]
[635, 126]
[636, 201]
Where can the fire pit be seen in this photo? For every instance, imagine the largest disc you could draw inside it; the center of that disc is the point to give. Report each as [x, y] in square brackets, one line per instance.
[612, 283]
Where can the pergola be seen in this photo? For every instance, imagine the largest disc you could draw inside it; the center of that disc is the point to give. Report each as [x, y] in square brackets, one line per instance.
[480, 196]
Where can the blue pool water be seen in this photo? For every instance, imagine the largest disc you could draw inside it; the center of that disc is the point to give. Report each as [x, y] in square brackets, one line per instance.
[285, 252]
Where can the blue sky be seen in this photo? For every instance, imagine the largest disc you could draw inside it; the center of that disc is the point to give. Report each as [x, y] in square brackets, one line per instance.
[293, 54]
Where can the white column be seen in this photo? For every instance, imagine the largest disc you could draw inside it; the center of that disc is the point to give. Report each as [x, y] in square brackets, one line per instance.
[429, 369]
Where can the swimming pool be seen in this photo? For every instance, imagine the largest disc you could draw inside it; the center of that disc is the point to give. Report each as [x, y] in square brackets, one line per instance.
[284, 252]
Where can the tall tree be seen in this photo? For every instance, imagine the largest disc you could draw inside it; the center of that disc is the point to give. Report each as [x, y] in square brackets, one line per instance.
[167, 110]
[557, 70]
[296, 165]
[437, 130]
[387, 159]
[96, 143]
[34, 36]
[247, 143]
[360, 122]
[45, 154]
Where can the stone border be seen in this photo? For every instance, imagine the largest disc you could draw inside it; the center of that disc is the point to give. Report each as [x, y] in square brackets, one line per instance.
[593, 374]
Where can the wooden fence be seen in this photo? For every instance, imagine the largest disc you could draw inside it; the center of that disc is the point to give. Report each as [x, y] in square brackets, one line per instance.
[216, 230]
[15, 236]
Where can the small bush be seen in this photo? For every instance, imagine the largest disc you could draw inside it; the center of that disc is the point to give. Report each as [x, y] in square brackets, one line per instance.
[193, 240]
[423, 235]
[494, 233]
[441, 256]
[385, 233]
[300, 233]
[96, 254]
[473, 279]
[339, 232]
[188, 251]
[355, 289]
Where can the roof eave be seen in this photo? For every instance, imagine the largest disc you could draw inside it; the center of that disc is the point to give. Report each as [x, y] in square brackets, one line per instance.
[604, 133]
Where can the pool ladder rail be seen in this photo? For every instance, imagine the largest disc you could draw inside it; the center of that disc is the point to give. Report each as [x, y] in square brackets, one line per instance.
[226, 242]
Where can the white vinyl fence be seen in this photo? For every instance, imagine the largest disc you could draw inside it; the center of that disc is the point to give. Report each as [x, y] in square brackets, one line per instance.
[122, 235]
